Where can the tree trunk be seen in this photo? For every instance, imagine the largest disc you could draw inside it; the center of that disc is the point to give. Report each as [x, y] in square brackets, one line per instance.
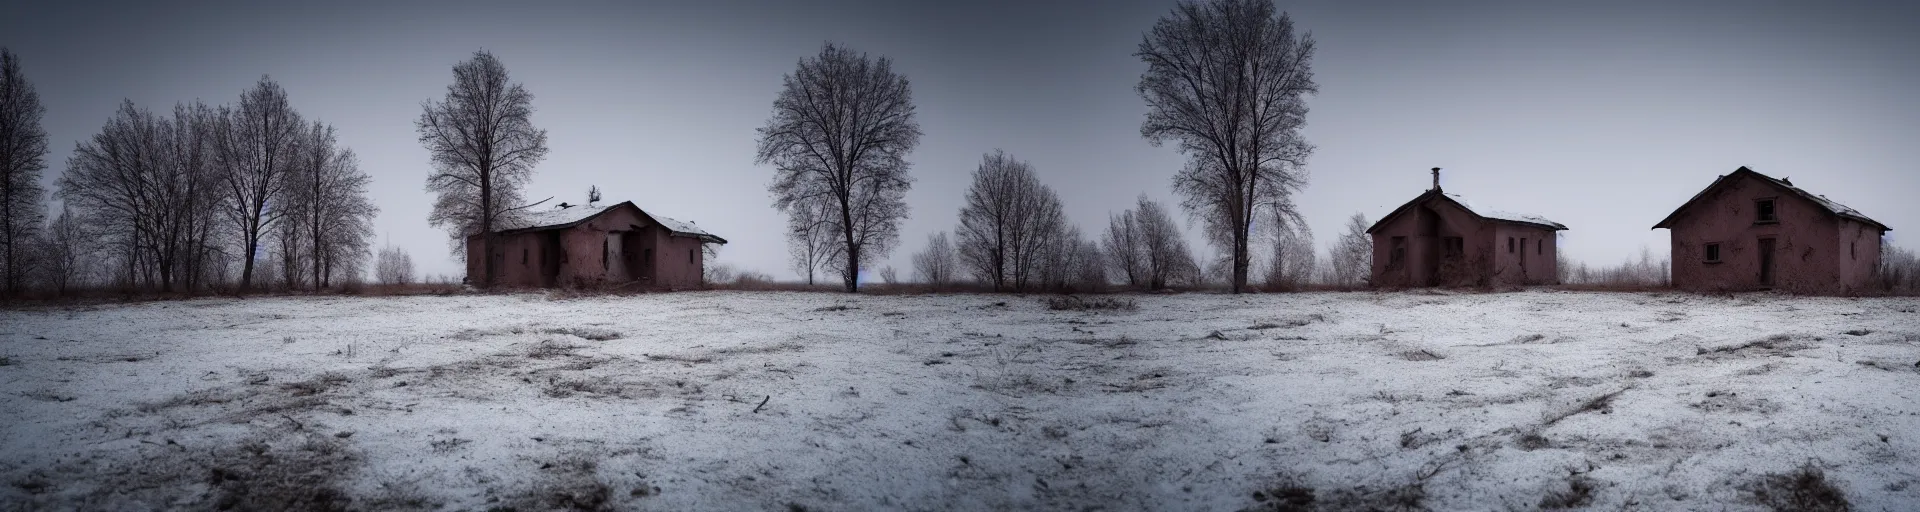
[246, 269]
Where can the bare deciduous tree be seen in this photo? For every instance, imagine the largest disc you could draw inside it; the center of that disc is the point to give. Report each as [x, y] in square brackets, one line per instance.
[145, 179]
[23, 150]
[1226, 80]
[393, 266]
[838, 139]
[1125, 254]
[1294, 258]
[937, 264]
[1007, 222]
[1351, 257]
[67, 246]
[484, 147]
[1144, 246]
[328, 194]
[1899, 269]
[809, 242]
[1069, 262]
[257, 145]
[1167, 258]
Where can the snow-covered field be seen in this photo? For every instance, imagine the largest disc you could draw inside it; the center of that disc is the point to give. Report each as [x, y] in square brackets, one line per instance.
[755, 401]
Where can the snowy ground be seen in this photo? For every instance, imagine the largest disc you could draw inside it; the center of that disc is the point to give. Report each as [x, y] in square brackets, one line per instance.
[754, 401]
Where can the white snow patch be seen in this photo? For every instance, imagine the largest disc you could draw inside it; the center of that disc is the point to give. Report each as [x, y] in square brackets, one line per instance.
[754, 401]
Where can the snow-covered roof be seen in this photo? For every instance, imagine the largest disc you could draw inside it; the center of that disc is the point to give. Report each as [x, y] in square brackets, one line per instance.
[1476, 209]
[1523, 218]
[557, 217]
[1829, 205]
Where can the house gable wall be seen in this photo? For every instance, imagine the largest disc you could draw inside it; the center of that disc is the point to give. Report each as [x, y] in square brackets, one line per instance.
[1808, 249]
[584, 255]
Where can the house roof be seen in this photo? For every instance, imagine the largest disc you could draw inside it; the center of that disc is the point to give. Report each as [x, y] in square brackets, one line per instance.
[1831, 206]
[1477, 210]
[562, 218]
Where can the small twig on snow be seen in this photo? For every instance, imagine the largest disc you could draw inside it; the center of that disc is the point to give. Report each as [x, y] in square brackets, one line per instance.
[763, 403]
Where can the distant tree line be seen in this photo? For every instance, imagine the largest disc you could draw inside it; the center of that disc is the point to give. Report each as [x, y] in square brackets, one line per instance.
[235, 197]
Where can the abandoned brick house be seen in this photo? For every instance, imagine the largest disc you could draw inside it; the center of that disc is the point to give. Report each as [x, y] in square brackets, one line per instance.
[1441, 239]
[572, 245]
[1749, 231]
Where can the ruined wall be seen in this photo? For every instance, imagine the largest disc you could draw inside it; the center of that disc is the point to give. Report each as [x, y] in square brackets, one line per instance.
[588, 248]
[674, 269]
[517, 260]
[1859, 255]
[1531, 259]
[1807, 252]
[610, 249]
[1426, 227]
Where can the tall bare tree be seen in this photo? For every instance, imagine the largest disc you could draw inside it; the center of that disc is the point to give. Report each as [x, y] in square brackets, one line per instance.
[1226, 81]
[23, 150]
[484, 147]
[196, 215]
[336, 217]
[141, 178]
[1165, 255]
[257, 145]
[1007, 221]
[810, 243]
[936, 265]
[838, 139]
[1125, 254]
[1294, 258]
[1351, 257]
[68, 248]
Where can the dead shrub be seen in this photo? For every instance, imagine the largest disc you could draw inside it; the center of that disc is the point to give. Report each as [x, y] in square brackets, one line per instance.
[548, 349]
[1421, 355]
[298, 476]
[1805, 489]
[1775, 344]
[1579, 493]
[571, 483]
[587, 333]
[1531, 440]
[1078, 303]
[314, 386]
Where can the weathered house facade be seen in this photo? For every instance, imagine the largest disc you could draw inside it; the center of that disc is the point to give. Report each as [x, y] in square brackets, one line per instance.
[594, 246]
[1749, 231]
[1441, 239]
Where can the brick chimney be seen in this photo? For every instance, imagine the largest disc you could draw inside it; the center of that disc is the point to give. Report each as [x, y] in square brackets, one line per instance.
[1436, 178]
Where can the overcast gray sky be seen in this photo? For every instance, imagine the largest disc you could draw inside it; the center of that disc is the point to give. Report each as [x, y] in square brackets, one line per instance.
[1603, 116]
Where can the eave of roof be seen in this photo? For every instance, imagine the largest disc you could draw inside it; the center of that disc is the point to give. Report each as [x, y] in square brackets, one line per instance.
[567, 218]
[1831, 206]
[1462, 202]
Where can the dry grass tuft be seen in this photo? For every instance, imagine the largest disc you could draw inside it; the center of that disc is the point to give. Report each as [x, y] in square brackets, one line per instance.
[1805, 489]
[1077, 303]
[588, 333]
[1579, 493]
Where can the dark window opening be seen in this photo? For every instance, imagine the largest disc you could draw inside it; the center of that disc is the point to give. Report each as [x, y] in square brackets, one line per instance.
[1509, 245]
[1455, 247]
[1765, 210]
[605, 254]
[523, 255]
[1540, 246]
[1713, 253]
[1853, 250]
[1399, 254]
[692, 254]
